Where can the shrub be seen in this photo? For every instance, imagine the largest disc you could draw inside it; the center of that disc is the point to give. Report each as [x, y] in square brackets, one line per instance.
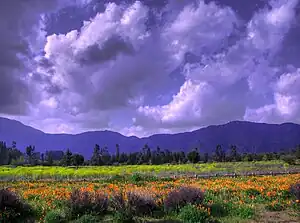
[123, 217]
[82, 203]
[295, 191]
[55, 216]
[140, 204]
[118, 202]
[217, 210]
[290, 159]
[245, 212]
[136, 177]
[12, 208]
[192, 214]
[122, 213]
[252, 192]
[275, 207]
[178, 198]
[87, 218]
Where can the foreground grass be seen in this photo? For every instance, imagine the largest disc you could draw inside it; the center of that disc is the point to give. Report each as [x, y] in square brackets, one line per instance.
[89, 172]
[241, 199]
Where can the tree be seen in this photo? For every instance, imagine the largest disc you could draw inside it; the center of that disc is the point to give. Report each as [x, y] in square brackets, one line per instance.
[193, 156]
[105, 156]
[132, 158]
[67, 158]
[146, 154]
[246, 157]
[182, 157]
[96, 159]
[29, 153]
[205, 159]
[117, 152]
[77, 160]
[297, 152]
[4, 155]
[233, 156]
[43, 157]
[49, 158]
[220, 154]
[123, 158]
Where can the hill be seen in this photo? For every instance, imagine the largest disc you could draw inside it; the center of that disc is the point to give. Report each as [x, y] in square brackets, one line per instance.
[247, 136]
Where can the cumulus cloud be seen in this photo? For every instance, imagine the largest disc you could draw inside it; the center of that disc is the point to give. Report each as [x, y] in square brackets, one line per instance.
[117, 70]
[286, 101]
[22, 35]
[104, 62]
[223, 86]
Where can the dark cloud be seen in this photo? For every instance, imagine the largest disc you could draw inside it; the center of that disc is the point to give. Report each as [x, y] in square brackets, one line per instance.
[109, 50]
[17, 17]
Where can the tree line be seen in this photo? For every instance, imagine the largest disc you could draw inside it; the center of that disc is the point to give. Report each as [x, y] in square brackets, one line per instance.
[11, 155]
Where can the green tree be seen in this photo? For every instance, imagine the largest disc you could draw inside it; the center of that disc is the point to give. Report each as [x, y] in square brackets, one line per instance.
[220, 154]
[182, 157]
[96, 159]
[29, 153]
[123, 158]
[105, 156]
[4, 155]
[205, 157]
[297, 152]
[67, 158]
[194, 156]
[77, 160]
[49, 158]
[234, 155]
[117, 152]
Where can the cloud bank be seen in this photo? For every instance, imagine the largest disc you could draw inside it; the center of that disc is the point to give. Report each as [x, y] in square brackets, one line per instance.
[114, 71]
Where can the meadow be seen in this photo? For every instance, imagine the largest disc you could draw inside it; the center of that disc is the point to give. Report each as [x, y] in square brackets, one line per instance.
[149, 194]
[8, 173]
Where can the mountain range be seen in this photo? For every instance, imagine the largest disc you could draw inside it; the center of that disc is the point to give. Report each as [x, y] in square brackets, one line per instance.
[247, 136]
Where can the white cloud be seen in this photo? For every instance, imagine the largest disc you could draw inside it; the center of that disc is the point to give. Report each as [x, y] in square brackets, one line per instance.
[200, 29]
[286, 106]
[233, 78]
[113, 72]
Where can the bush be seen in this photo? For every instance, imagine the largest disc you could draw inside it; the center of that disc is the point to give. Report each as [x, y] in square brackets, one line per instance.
[122, 217]
[290, 159]
[217, 210]
[55, 216]
[252, 192]
[122, 213]
[136, 177]
[140, 204]
[275, 207]
[87, 218]
[12, 208]
[178, 198]
[82, 203]
[295, 191]
[192, 214]
[118, 202]
[241, 211]
[245, 212]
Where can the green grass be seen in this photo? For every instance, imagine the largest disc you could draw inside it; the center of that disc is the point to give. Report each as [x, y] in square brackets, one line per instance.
[93, 172]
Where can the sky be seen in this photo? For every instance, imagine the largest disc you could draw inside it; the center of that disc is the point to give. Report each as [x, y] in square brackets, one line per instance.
[149, 66]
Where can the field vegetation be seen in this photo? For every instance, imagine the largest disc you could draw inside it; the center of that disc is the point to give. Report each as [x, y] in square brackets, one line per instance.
[149, 186]
[141, 197]
[122, 171]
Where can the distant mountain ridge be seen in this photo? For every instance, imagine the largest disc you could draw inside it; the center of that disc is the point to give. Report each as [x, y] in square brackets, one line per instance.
[247, 136]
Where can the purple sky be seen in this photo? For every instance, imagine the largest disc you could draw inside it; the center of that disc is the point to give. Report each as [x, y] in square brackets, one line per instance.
[145, 67]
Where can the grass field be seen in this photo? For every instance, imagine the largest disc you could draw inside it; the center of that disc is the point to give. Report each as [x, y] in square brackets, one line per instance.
[50, 191]
[42, 172]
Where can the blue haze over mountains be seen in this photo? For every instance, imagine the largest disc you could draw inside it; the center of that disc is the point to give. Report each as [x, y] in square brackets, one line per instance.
[248, 136]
